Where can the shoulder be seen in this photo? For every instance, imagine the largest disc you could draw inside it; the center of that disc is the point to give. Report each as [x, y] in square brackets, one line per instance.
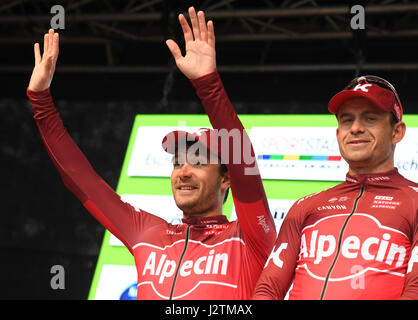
[407, 187]
[317, 197]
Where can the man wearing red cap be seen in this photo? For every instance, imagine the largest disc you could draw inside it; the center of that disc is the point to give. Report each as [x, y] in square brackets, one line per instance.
[357, 240]
[206, 257]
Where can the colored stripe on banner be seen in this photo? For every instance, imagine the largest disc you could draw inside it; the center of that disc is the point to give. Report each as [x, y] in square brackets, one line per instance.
[297, 157]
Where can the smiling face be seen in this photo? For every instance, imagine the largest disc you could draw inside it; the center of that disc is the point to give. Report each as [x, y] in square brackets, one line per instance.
[366, 137]
[198, 186]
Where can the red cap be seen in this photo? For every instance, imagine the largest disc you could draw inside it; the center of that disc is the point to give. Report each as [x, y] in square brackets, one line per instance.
[380, 97]
[177, 140]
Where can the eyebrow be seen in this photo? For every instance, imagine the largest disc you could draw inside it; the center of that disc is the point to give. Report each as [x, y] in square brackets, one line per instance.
[366, 112]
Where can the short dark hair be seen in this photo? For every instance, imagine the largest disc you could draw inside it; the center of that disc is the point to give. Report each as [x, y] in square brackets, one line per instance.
[393, 119]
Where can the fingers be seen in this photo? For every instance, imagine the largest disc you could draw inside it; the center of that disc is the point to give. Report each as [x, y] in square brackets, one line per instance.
[46, 42]
[37, 53]
[50, 43]
[187, 32]
[174, 49]
[51, 47]
[211, 34]
[199, 27]
[195, 23]
[51, 40]
[55, 47]
[202, 26]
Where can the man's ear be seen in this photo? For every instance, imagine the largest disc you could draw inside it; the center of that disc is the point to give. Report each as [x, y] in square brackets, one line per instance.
[225, 182]
[398, 132]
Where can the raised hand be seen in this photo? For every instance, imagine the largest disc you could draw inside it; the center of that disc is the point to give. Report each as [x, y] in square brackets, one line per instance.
[44, 69]
[200, 58]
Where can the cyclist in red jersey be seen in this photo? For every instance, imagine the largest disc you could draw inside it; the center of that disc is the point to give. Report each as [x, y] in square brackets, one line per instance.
[206, 257]
[357, 240]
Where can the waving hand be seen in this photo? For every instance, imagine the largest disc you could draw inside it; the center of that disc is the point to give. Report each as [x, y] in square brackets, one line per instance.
[200, 57]
[44, 64]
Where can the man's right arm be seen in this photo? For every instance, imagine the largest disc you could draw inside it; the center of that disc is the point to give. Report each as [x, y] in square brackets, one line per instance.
[280, 267]
[101, 201]
[77, 173]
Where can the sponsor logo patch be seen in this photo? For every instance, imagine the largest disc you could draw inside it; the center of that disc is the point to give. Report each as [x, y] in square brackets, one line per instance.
[384, 202]
[201, 264]
[365, 242]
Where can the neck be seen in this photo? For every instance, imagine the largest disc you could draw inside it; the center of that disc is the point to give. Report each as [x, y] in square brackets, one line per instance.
[371, 167]
[207, 213]
[358, 169]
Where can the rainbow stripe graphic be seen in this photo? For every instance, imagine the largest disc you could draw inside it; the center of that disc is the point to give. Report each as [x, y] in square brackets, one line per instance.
[297, 157]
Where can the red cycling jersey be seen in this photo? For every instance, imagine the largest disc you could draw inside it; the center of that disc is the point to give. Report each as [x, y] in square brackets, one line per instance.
[357, 240]
[203, 258]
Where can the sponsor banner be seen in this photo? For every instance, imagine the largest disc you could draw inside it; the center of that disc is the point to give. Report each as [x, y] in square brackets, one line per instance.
[312, 153]
[285, 153]
[298, 153]
[161, 206]
[406, 155]
[278, 209]
[148, 159]
[117, 282]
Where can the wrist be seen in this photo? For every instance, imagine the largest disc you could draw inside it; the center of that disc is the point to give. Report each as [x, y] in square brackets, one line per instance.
[196, 82]
[37, 95]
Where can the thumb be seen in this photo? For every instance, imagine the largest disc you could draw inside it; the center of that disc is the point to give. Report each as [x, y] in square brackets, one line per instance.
[174, 49]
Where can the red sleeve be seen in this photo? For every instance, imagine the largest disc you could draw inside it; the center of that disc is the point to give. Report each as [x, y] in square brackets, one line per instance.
[280, 267]
[247, 189]
[410, 291]
[79, 177]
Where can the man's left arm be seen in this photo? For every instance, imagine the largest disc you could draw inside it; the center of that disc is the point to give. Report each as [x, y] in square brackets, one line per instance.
[410, 290]
[246, 185]
[199, 66]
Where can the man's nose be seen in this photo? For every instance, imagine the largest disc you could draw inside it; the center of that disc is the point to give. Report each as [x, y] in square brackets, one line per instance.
[185, 171]
[357, 127]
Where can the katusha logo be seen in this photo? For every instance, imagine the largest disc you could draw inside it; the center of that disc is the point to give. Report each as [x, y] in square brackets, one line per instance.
[201, 265]
[365, 242]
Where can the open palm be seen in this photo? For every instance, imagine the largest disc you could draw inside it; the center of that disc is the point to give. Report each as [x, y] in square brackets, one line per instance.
[44, 69]
[200, 57]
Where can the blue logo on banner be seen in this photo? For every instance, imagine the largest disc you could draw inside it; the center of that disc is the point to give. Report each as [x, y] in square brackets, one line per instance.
[129, 293]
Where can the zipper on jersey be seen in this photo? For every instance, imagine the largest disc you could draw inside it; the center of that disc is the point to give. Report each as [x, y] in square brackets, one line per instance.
[179, 263]
[339, 243]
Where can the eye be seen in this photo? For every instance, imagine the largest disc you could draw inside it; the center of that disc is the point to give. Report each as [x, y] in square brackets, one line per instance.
[197, 163]
[177, 163]
[346, 120]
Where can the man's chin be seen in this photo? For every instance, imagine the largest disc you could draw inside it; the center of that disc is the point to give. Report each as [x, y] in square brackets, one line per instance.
[186, 206]
[357, 157]
[358, 163]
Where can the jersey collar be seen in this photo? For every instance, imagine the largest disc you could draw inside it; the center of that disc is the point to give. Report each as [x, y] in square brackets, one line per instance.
[205, 221]
[372, 178]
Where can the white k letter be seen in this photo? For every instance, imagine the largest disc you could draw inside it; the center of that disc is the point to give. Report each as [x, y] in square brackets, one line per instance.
[362, 87]
[275, 255]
